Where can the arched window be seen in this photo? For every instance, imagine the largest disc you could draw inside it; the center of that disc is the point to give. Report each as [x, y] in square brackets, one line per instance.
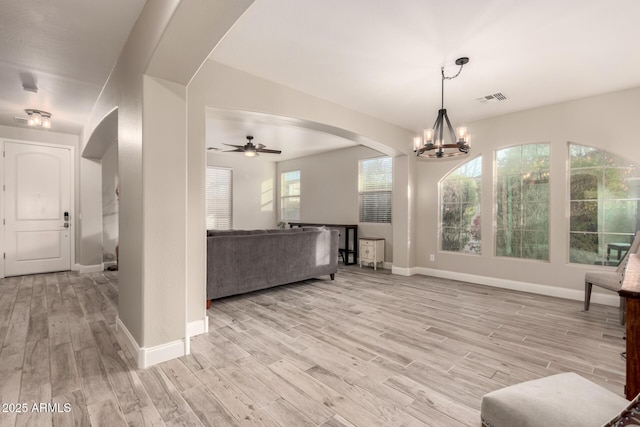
[460, 208]
[604, 205]
[522, 201]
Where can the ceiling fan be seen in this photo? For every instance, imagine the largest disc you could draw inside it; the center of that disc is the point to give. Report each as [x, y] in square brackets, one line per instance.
[251, 150]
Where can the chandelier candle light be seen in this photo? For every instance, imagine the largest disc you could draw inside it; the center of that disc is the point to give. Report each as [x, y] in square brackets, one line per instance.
[433, 145]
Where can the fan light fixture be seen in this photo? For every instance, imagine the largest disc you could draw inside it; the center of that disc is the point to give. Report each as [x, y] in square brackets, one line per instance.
[432, 144]
[38, 118]
[249, 149]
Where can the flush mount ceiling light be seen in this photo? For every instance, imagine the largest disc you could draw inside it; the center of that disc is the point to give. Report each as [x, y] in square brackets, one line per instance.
[432, 144]
[38, 118]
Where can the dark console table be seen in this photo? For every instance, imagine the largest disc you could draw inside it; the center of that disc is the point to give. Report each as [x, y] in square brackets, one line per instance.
[631, 291]
[350, 249]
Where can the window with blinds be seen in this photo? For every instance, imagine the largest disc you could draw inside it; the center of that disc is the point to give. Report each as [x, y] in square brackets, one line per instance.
[290, 196]
[374, 189]
[219, 193]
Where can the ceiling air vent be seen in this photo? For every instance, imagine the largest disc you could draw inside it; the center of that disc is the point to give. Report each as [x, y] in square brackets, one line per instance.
[21, 120]
[490, 99]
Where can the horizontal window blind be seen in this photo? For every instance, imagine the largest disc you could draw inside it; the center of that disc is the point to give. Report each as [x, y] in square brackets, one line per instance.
[375, 182]
[219, 194]
[290, 196]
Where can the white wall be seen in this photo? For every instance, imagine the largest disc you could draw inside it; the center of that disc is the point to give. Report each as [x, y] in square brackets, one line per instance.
[605, 122]
[164, 206]
[254, 192]
[91, 208]
[109, 204]
[93, 181]
[329, 188]
[404, 213]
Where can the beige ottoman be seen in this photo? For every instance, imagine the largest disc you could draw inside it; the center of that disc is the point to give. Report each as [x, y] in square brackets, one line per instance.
[562, 400]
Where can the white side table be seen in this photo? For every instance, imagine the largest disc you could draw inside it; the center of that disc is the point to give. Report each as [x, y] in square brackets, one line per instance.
[371, 251]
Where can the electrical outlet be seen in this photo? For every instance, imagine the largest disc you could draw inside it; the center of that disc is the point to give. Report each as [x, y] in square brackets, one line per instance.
[432, 257]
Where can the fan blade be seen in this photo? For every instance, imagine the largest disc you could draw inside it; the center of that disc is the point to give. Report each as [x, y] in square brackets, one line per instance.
[260, 146]
[237, 150]
[233, 145]
[264, 150]
[213, 148]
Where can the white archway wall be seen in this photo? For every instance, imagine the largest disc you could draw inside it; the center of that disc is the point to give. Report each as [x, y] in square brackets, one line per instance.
[124, 91]
[219, 86]
[600, 121]
[152, 167]
[92, 182]
[109, 165]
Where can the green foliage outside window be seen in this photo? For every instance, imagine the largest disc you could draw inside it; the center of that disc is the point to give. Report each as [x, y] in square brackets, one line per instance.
[460, 208]
[604, 205]
[522, 201]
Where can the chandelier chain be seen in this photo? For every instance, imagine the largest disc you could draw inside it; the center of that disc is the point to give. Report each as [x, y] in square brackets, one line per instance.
[451, 77]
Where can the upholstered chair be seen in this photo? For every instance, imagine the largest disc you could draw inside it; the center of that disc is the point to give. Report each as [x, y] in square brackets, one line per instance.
[611, 280]
[560, 400]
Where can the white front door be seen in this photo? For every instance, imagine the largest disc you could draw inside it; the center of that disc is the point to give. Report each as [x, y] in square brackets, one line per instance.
[37, 181]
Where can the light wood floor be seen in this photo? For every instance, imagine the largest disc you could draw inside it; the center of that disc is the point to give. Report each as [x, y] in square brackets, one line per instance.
[368, 349]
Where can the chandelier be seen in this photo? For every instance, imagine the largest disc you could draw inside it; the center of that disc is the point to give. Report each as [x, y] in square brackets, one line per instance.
[38, 118]
[432, 144]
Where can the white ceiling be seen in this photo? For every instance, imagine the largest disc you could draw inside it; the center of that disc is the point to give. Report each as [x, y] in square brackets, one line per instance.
[382, 58]
[67, 48]
[294, 137]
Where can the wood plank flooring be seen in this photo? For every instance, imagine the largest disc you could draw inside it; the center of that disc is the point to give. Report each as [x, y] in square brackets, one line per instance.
[368, 349]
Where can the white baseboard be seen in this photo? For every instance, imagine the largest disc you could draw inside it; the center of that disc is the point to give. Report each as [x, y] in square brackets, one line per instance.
[88, 268]
[534, 288]
[402, 271]
[162, 353]
[149, 356]
[198, 327]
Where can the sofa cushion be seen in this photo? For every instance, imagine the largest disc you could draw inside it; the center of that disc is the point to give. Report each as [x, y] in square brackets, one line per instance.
[216, 233]
[310, 228]
[559, 400]
[286, 230]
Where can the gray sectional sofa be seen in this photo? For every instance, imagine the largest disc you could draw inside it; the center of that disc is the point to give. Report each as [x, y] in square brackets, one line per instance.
[240, 261]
